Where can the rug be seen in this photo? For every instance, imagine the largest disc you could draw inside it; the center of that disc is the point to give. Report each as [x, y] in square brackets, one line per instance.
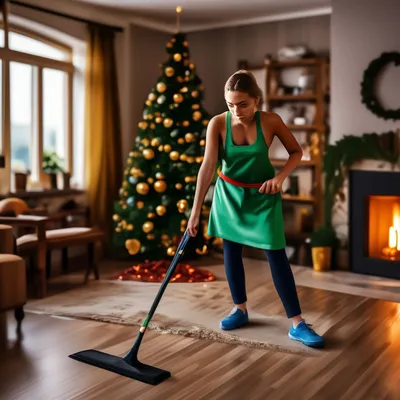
[188, 309]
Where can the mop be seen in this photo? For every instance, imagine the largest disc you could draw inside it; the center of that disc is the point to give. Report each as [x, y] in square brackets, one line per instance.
[129, 365]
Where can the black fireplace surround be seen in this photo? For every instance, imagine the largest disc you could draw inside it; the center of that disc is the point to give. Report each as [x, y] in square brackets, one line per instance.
[363, 184]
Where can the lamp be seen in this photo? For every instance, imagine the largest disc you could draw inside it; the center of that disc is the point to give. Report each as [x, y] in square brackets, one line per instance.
[2, 161]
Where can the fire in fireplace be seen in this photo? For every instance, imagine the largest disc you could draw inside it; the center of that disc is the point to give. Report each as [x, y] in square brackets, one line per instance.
[374, 223]
[384, 227]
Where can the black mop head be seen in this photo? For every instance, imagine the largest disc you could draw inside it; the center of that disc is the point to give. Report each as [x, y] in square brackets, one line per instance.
[141, 372]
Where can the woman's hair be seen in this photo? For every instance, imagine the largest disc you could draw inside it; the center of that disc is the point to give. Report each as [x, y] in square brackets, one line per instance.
[243, 81]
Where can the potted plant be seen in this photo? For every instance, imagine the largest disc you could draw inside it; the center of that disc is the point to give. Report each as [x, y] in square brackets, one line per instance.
[51, 165]
[21, 174]
[323, 240]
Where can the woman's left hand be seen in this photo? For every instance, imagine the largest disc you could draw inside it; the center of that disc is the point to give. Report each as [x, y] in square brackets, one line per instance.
[273, 185]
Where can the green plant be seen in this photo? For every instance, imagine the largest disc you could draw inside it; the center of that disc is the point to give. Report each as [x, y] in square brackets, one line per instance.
[51, 162]
[339, 157]
[324, 236]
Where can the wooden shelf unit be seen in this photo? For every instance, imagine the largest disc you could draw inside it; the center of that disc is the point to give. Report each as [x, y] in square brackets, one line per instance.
[319, 96]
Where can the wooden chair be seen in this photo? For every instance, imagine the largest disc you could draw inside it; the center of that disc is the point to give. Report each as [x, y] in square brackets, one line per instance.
[13, 294]
[39, 244]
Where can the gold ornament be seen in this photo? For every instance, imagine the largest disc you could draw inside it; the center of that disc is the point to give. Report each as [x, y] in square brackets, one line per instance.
[151, 215]
[152, 125]
[177, 57]
[136, 172]
[184, 89]
[117, 229]
[169, 45]
[195, 106]
[171, 251]
[190, 160]
[195, 93]
[178, 186]
[191, 66]
[116, 217]
[150, 180]
[123, 224]
[169, 71]
[183, 157]
[186, 43]
[182, 205]
[159, 120]
[139, 204]
[205, 122]
[155, 142]
[203, 251]
[161, 210]
[178, 98]
[160, 186]
[142, 188]
[202, 142]
[151, 236]
[130, 227]
[174, 155]
[133, 246]
[168, 122]
[199, 159]
[147, 227]
[181, 141]
[179, 79]
[164, 237]
[189, 137]
[160, 148]
[129, 161]
[160, 175]
[161, 87]
[152, 96]
[148, 154]
[145, 142]
[148, 116]
[148, 103]
[185, 124]
[142, 125]
[167, 148]
[190, 179]
[125, 185]
[196, 115]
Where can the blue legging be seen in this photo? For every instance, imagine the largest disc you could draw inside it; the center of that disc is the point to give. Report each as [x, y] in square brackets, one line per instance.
[281, 274]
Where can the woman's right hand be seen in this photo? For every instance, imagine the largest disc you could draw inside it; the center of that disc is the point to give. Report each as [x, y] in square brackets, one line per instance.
[193, 225]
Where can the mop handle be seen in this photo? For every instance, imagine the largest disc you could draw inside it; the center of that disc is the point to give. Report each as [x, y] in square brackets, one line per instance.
[168, 275]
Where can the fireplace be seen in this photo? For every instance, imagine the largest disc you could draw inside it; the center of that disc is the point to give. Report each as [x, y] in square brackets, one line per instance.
[374, 223]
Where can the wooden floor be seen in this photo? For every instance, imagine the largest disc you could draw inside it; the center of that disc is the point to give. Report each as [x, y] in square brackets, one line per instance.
[361, 360]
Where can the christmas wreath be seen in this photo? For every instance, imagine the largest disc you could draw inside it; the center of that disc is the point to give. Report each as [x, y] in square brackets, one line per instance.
[368, 85]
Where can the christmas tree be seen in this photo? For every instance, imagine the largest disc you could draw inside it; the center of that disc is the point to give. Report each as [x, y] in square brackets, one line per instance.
[160, 178]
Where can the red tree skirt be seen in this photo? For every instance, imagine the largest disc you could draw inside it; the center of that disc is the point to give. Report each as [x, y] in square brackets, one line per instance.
[154, 271]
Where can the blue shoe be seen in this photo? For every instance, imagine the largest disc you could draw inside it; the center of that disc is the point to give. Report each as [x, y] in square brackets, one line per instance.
[303, 333]
[235, 319]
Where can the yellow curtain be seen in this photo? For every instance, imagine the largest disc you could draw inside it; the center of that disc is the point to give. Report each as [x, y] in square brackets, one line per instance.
[102, 127]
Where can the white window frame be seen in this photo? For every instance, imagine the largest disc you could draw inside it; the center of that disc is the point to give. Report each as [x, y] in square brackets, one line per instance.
[6, 56]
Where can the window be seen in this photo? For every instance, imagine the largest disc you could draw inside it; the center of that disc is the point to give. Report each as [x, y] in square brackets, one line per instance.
[39, 80]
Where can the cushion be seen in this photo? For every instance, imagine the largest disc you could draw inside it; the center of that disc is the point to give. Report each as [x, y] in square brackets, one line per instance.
[13, 206]
[59, 235]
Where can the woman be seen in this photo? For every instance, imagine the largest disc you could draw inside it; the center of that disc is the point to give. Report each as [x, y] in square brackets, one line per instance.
[247, 202]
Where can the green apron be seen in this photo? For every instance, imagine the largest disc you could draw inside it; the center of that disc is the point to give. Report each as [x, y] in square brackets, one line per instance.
[243, 215]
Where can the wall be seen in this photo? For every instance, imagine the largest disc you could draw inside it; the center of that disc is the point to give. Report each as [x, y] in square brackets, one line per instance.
[217, 52]
[361, 30]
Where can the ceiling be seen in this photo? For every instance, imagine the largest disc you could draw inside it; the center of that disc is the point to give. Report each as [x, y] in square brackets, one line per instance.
[206, 14]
